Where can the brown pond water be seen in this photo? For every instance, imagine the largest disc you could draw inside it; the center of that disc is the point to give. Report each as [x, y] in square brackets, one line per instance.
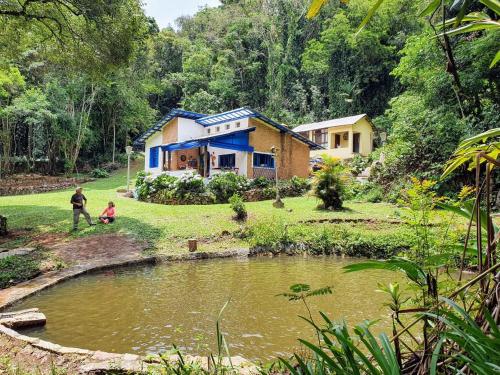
[145, 310]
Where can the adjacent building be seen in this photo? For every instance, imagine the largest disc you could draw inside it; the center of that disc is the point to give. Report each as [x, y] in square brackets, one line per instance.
[342, 137]
[240, 140]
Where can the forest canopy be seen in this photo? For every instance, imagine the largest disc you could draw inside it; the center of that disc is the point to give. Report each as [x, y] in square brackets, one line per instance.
[83, 77]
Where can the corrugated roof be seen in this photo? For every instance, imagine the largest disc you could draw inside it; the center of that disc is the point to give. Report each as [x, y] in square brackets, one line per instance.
[141, 138]
[218, 119]
[351, 120]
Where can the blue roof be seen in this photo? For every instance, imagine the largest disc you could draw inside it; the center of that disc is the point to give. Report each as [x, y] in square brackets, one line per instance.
[235, 140]
[245, 112]
[219, 118]
[141, 139]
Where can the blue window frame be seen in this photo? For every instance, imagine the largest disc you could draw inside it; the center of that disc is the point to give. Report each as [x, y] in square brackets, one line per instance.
[153, 157]
[227, 161]
[263, 160]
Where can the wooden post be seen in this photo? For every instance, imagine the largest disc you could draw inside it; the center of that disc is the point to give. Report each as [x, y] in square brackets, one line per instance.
[193, 245]
[3, 225]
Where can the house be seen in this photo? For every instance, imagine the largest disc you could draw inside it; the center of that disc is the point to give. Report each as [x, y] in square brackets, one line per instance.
[240, 140]
[342, 137]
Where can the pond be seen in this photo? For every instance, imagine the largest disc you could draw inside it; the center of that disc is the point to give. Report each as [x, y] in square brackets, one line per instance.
[147, 309]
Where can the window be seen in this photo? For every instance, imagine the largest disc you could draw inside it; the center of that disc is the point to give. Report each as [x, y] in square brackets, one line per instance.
[227, 161]
[238, 124]
[228, 126]
[304, 134]
[336, 143]
[263, 160]
[217, 128]
[153, 157]
[321, 137]
[208, 130]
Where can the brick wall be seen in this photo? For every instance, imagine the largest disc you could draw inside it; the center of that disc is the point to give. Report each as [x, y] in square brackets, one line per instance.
[294, 155]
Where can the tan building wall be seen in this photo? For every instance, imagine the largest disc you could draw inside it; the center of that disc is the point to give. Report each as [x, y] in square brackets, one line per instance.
[345, 151]
[294, 155]
[171, 131]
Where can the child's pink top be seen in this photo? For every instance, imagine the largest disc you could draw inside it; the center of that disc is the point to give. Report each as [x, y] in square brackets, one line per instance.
[110, 212]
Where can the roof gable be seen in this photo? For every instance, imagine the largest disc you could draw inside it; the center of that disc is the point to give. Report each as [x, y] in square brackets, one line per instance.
[344, 121]
[210, 120]
[141, 139]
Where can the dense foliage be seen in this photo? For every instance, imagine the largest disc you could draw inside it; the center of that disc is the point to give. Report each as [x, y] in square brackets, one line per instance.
[190, 188]
[78, 83]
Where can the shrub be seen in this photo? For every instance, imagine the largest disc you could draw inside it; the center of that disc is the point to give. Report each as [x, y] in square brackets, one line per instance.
[99, 173]
[277, 236]
[300, 186]
[225, 185]
[139, 178]
[261, 183]
[329, 183]
[164, 182]
[189, 183]
[358, 164]
[238, 206]
[366, 192]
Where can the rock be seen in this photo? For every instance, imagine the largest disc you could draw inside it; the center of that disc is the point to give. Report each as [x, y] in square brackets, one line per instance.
[18, 251]
[23, 319]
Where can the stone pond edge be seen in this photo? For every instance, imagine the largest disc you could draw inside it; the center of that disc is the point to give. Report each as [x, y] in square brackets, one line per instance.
[125, 362]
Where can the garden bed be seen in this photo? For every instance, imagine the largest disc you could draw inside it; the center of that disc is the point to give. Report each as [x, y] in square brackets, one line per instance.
[35, 183]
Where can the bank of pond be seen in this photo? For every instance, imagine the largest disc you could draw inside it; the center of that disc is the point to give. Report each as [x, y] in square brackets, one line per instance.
[147, 309]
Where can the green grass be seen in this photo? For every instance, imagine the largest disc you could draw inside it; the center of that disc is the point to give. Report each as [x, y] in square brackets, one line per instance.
[168, 227]
[15, 269]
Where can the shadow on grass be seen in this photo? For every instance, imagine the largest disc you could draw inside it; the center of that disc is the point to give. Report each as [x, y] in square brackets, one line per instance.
[50, 219]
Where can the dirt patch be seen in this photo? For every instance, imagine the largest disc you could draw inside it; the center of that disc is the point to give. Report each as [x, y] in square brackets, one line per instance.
[354, 221]
[35, 183]
[98, 248]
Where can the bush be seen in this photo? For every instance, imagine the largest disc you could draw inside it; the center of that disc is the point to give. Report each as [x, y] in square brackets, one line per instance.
[329, 183]
[277, 236]
[261, 183]
[99, 173]
[358, 164]
[164, 182]
[366, 192]
[295, 187]
[238, 206]
[189, 183]
[225, 185]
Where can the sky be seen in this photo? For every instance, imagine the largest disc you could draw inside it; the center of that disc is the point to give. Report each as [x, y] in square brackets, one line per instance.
[166, 11]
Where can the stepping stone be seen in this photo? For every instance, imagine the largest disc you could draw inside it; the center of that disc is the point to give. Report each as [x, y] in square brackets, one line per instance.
[19, 251]
[23, 319]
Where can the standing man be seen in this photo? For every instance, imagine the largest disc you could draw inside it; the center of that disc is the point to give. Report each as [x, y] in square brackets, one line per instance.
[78, 200]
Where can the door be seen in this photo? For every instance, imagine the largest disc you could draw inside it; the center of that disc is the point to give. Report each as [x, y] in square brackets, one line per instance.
[355, 143]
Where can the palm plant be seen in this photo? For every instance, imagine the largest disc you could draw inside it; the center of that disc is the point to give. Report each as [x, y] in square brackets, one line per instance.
[330, 183]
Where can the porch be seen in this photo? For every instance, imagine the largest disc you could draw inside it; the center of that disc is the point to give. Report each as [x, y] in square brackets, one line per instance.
[208, 155]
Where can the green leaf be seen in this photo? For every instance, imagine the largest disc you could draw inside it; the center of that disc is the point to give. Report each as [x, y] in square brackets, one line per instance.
[315, 7]
[494, 5]
[461, 12]
[430, 8]
[495, 59]
[411, 269]
[369, 15]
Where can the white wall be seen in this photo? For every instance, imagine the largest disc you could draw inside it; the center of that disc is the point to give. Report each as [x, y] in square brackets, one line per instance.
[240, 162]
[155, 140]
[222, 127]
[189, 129]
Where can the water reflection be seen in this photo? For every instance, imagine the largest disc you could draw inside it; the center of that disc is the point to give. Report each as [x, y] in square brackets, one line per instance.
[145, 310]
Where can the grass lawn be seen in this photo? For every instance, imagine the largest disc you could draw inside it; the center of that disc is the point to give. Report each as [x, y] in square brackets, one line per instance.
[168, 227]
